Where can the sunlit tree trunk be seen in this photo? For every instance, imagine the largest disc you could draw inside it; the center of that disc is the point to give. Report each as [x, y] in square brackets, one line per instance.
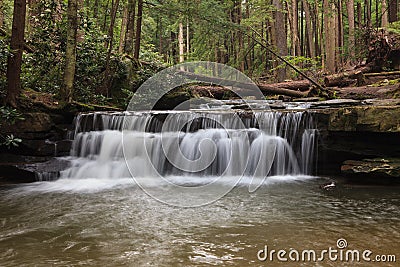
[280, 37]
[70, 54]
[138, 29]
[15, 58]
[123, 29]
[181, 43]
[351, 39]
[330, 35]
[309, 33]
[187, 40]
[385, 13]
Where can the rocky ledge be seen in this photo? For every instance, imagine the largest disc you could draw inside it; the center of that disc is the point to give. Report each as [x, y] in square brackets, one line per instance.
[373, 170]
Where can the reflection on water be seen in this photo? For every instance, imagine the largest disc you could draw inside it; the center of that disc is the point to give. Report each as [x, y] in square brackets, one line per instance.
[117, 224]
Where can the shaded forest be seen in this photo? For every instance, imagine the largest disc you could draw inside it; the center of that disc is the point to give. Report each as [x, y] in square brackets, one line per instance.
[100, 51]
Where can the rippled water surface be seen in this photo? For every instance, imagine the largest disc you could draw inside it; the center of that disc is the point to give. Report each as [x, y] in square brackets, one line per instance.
[114, 223]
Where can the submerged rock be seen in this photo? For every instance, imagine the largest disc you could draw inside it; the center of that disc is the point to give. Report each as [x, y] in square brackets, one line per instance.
[378, 168]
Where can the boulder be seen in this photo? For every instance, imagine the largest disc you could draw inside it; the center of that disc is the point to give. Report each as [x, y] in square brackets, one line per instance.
[32, 123]
[373, 168]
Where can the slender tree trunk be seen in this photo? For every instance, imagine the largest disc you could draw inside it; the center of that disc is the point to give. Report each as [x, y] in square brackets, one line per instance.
[96, 9]
[130, 28]
[124, 22]
[67, 89]
[280, 37]
[1, 13]
[393, 9]
[181, 44]
[330, 35]
[367, 13]
[187, 40]
[104, 88]
[15, 58]
[339, 33]
[105, 16]
[359, 15]
[240, 50]
[310, 42]
[138, 29]
[351, 39]
[294, 29]
[385, 17]
[317, 26]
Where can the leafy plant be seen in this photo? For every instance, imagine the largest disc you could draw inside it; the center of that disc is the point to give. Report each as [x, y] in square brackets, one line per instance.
[10, 116]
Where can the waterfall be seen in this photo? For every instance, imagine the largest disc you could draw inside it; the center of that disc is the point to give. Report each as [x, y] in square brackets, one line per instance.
[143, 144]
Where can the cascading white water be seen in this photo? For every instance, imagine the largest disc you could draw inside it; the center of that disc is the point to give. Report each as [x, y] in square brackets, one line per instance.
[118, 145]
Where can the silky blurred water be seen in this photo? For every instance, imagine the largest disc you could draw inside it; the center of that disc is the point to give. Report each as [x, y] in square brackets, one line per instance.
[114, 223]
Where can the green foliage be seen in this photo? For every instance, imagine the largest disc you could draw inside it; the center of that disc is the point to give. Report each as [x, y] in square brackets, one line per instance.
[9, 116]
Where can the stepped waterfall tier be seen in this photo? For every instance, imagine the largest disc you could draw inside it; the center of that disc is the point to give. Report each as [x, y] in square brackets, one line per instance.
[139, 144]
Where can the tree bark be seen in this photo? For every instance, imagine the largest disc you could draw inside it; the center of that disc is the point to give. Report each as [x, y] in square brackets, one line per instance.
[351, 39]
[70, 55]
[337, 79]
[181, 43]
[1, 13]
[310, 42]
[393, 6]
[130, 28]
[104, 88]
[247, 87]
[15, 58]
[187, 40]
[138, 29]
[124, 22]
[330, 34]
[280, 37]
[385, 17]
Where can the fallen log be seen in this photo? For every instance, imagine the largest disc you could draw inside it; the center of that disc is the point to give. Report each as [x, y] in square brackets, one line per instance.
[270, 90]
[302, 85]
[247, 88]
[339, 78]
[385, 73]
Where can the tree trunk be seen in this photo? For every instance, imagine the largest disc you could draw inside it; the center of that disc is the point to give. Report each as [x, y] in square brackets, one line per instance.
[15, 58]
[339, 33]
[104, 88]
[70, 54]
[393, 6]
[1, 13]
[385, 17]
[330, 34]
[187, 40]
[367, 13]
[130, 28]
[350, 15]
[96, 9]
[280, 37]
[359, 14]
[138, 29]
[123, 30]
[294, 29]
[181, 44]
[337, 79]
[310, 42]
